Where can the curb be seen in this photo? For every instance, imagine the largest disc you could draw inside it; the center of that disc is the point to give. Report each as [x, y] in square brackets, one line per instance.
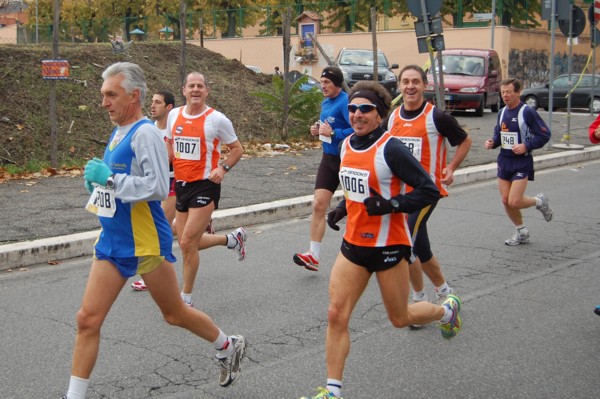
[50, 250]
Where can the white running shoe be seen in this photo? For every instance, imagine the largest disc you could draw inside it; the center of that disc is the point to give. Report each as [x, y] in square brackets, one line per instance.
[544, 207]
[240, 236]
[231, 366]
[139, 285]
[520, 237]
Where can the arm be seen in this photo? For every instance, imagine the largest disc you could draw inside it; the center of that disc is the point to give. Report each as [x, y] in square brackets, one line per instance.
[236, 150]
[538, 129]
[457, 137]
[406, 167]
[594, 131]
[149, 176]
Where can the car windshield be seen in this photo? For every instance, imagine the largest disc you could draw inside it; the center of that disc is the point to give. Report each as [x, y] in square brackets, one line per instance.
[362, 58]
[463, 65]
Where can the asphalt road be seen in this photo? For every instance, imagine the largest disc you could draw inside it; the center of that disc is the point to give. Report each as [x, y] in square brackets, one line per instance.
[529, 330]
[49, 207]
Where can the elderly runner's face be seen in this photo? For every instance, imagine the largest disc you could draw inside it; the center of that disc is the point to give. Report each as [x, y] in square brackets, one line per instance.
[364, 117]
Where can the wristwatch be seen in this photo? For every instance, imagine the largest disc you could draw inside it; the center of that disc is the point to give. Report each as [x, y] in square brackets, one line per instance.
[110, 182]
[395, 205]
[226, 167]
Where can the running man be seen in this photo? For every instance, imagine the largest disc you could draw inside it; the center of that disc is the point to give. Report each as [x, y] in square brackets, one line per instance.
[332, 128]
[162, 103]
[195, 133]
[426, 130]
[519, 131]
[127, 187]
[374, 169]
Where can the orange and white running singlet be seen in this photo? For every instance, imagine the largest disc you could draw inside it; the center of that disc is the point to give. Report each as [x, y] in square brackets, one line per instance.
[197, 142]
[361, 171]
[424, 141]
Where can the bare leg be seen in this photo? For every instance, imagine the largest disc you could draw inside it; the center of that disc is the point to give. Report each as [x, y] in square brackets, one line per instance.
[190, 227]
[320, 205]
[346, 285]
[103, 286]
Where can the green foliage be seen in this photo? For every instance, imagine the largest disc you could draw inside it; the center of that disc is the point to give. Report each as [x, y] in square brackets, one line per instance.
[304, 106]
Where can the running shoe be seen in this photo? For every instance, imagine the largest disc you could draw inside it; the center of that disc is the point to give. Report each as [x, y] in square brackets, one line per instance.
[544, 207]
[231, 366]
[240, 236]
[139, 285]
[210, 229]
[597, 310]
[307, 260]
[452, 328]
[520, 237]
[322, 393]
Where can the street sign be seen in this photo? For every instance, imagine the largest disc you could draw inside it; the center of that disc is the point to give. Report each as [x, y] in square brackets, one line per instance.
[437, 42]
[55, 69]
[578, 23]
[431, 6]
[487, 16]
[435, 27]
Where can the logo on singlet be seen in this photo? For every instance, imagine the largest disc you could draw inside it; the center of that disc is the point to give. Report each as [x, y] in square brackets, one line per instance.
[367, 235]
[179, 129]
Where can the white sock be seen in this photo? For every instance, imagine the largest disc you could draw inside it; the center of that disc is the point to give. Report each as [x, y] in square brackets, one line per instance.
[186, 297]
[335, 387]
[448, 313]
[315, 248]
[443, 288]
[223, 345]
[520, 227]
[419, 296]
[231, 241]
[538, 202]
[77, 388]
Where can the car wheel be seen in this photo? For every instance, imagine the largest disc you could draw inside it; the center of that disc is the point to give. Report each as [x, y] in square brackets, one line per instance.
[594, 106]
[497, 106]
[532, 101]
[479, 109]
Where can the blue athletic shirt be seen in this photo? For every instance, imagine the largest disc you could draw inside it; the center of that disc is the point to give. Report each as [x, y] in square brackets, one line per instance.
[335, 112]
[139, 226]
[532, 129]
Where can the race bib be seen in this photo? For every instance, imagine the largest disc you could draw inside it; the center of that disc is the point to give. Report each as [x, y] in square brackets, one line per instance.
[102, 202]
[355, 183]
[187, 148]
[414, 144]
[508, 140]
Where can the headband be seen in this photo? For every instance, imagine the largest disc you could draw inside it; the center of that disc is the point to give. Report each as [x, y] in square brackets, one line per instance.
[335, 78]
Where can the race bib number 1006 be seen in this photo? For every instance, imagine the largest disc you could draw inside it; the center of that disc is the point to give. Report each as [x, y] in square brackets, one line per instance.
[355, 183]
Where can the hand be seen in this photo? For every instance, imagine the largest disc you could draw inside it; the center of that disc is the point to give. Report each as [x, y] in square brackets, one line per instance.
[377, 205]
[447, 176]
[89, 186]
[96, 171]
[489, 144]
[335, 216]
[519, 149]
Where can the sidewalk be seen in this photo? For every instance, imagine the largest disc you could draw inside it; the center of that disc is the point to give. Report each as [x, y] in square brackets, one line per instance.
[44, 220]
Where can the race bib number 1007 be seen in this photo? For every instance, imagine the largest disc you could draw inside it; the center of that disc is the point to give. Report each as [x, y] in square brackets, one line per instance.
[187, 148]
[355, 183]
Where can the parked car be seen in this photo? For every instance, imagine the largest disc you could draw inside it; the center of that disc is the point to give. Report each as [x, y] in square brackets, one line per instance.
[254, 68]
[471, 80]
[357, 64]
[311, 82]
[581, 97]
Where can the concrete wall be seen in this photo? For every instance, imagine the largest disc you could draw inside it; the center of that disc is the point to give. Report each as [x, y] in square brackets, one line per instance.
[524, 53]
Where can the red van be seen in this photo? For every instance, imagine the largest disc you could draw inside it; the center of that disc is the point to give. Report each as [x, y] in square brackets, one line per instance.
[471, 80]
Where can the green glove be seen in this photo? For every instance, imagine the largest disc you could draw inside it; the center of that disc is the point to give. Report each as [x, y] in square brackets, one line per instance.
[89, 186]
[96, 171]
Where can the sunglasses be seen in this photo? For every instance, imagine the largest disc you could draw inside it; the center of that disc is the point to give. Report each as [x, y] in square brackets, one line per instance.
[363, 108]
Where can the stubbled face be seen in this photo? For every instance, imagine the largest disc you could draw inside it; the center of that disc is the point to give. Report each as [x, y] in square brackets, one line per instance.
[158, 108]
[509, 95]
[364, 123]
[195, 90]
[412, 88]
[122, 107]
